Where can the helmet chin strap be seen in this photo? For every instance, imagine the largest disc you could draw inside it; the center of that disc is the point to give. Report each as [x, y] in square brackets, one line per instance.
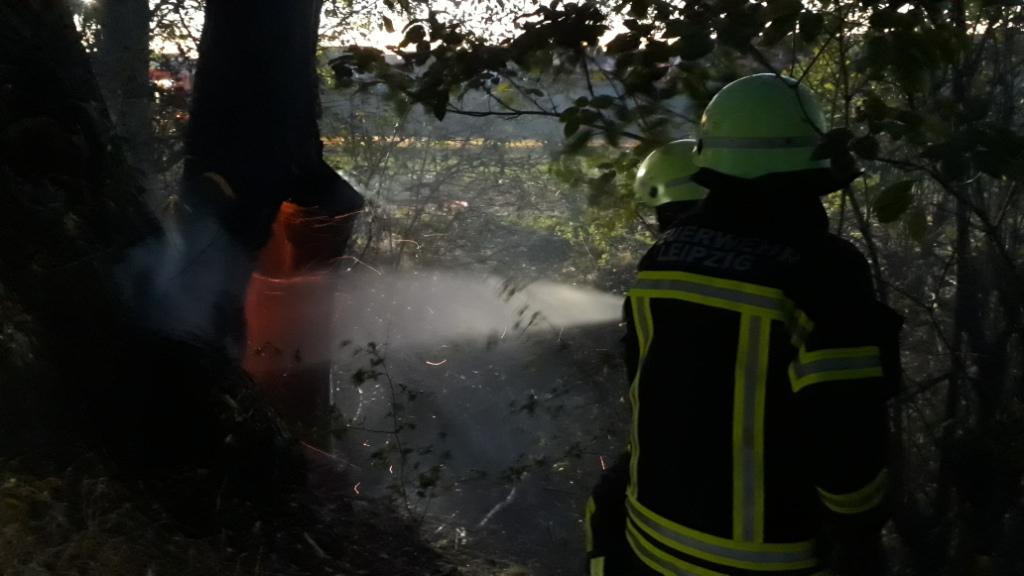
[670, 212]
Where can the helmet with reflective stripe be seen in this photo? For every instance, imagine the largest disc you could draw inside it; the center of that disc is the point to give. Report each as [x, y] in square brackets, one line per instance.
[761, 124]
[664, 176]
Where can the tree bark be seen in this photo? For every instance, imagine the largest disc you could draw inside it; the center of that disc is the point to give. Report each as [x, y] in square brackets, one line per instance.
[252, 143]
[68, 208]
[122, 68]
[254, 118]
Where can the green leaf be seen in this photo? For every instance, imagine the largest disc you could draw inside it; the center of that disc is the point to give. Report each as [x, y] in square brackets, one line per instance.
[890, 19]
[811, 24]
[439, 104]
[677, 29]
[626, 42]
[833, 144]
[388, 25]
[572, 125]
[694, 46]
[874, 108]
[578, 141]
[778, 30]
[413, 35]
[894, 200]
[783, 8]
[916, 222]
[603, 101]
[955, 165]
[866, 147]
[638, 8]
[588, 116]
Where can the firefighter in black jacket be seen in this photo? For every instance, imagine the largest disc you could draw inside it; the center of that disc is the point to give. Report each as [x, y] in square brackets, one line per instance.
[763, 362]
[664, 182]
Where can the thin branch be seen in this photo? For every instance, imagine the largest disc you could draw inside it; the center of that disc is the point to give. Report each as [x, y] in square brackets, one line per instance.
[763, 60]
[525, 93]
[814, 59]
[586, 74]
[516, 113]
[869, 240]
[921, 388]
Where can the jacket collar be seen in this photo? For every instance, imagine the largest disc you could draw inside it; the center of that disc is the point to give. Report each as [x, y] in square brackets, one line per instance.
[775, 205]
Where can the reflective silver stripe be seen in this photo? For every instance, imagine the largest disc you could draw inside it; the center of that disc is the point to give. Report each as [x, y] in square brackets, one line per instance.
[752, 379]
[724, 553]
[708, 291]
[663, 566]
[678, 182]
[827, 365]
[765, 143]
[747, 433]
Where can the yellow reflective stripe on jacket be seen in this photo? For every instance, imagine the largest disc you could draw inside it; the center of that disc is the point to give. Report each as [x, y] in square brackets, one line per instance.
[834, 364]
[715, 292]
[597, 566]
[742, 297]
[800, 325]
[588, 530]
[860, 501]
[660, 561]
[721, 551]
[644, 323]
[748, 428]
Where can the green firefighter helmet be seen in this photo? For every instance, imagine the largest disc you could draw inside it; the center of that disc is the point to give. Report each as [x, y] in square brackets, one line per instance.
[664, 176]
[761, 124]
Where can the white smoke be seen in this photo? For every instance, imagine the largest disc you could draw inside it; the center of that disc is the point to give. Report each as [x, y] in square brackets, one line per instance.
[182, 282]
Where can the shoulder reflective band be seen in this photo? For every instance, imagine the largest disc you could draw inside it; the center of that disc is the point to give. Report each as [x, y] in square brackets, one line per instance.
[834, 364]
[722, 551]
[860, 501]
[728, 294]
[660, 561]
[715, 292]
[765, 143]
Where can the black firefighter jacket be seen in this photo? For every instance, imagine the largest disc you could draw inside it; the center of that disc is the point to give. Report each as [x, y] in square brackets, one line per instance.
[761, 362]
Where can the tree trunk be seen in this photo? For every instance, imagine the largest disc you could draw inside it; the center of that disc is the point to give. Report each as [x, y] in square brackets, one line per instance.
[74, 369]
[122, 68]
[252, 143]
[68, 208]
[254, 118]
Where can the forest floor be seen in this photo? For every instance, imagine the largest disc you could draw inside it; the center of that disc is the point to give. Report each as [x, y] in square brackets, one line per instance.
[83, 521]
